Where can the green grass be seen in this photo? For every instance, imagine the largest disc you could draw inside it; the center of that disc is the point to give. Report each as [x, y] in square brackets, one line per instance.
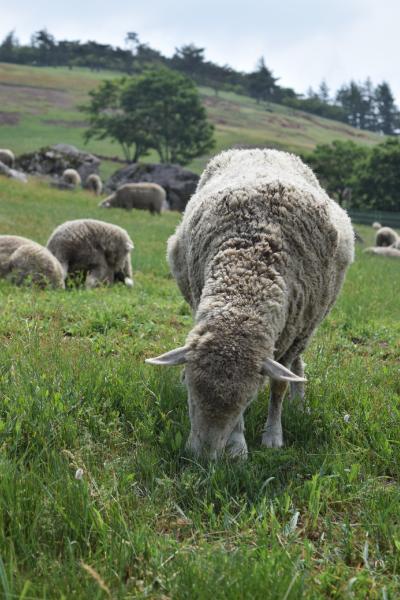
[317, 519]
[39, 106]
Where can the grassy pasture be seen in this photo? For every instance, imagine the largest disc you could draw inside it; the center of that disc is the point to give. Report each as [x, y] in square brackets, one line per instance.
[39, 106]
[317, 519]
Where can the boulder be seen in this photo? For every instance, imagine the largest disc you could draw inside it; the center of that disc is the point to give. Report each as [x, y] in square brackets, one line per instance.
[12, 173]
[179, 183]
[53, 160]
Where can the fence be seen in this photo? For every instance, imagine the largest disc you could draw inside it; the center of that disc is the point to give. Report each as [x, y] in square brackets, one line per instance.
[367, 217]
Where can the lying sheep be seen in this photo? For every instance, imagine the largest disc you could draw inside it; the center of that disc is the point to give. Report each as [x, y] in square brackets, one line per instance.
[99, 250]
[94, 184]
[390, 251]
[23, 260]
[376, 225]
[7, 158]
[386, 236]
[71, 177]
[260, 256]
[12, 173]
[147, 196]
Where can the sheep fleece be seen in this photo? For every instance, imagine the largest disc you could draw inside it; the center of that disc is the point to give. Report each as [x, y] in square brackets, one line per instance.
[22, 258]
[94, 246]
[147, 196]
[260, 256]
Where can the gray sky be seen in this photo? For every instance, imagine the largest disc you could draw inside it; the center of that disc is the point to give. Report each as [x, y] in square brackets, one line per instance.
[303, 41]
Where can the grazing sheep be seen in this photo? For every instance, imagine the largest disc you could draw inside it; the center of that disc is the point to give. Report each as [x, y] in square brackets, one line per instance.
[94, 184]
[99, 250]
[71, 177]
[147, 196]
[22, 259]
[260, 256]
[386, 236]
[376, 225]
[390, 251]
[7, 158]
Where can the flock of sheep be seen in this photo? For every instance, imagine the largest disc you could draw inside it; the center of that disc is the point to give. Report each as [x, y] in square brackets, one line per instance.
[146, 196]
[260, 255]
[98, 250]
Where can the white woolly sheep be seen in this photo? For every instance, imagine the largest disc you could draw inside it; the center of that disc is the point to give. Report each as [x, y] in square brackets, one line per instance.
[71, 177]
[390, 251]
[94, 184]
[386, 236]
[23, 260]
[376, 225]
[99, 250]
[147, 196]
[7, 158]
[260, 256]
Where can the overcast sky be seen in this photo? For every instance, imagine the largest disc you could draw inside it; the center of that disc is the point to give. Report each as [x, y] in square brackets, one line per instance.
[302, 41]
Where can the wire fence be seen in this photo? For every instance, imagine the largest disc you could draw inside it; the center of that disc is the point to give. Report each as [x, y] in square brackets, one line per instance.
[367, 217]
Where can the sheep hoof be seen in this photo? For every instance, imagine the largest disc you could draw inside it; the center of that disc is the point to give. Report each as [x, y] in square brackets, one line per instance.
[128, 282]
[272, 439]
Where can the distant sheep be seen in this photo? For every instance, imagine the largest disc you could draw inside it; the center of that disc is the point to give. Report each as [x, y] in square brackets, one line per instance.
[146, 196]
[7, 158]
[390, 251]
[260, 255]
[386, 236]
[71, 177]
[99, 250]
[94, 184]
[23, 260]
[376, 225]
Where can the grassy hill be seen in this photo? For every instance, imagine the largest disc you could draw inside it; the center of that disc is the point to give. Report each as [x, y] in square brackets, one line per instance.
[316, 519]
[39, 107]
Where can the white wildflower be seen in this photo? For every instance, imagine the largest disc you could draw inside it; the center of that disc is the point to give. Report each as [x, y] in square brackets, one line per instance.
[79, 473]
[346, 418]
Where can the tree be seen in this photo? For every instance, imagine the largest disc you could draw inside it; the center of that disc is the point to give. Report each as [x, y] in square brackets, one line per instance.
[376, 179]
[261, 83]
[158, 110]
[9, 47]
[335, 165]
[46, 45]
[189, 60]
[387, 112]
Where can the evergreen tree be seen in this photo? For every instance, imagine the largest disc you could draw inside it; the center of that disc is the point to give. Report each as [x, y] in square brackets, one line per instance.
[261, 83]
[387, 112]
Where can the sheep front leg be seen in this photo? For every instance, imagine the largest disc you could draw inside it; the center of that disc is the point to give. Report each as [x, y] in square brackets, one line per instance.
[297, 388]
[99, 275]
[272, 436]
[236, 445]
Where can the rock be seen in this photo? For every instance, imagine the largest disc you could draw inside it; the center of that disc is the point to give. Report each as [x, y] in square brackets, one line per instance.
[12, 173]
[53, 160]
[179, 183]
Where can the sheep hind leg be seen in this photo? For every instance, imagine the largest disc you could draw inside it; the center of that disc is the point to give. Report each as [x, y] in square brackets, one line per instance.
[297, 389]
[272, 436]
[236, 445]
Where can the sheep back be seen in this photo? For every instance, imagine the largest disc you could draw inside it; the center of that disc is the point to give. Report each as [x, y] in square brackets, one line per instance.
[7, 158]
[145, 196]
[72, 177]
[94, 184]
[386, 236]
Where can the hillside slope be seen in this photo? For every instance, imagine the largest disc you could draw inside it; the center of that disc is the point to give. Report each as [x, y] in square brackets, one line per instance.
[39, 106]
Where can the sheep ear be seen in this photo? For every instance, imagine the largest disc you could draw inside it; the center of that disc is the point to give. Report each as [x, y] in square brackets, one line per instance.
[275, 370]
[171, 358]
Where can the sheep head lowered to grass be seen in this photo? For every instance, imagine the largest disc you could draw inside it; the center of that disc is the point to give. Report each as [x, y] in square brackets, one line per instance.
[260, 256]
